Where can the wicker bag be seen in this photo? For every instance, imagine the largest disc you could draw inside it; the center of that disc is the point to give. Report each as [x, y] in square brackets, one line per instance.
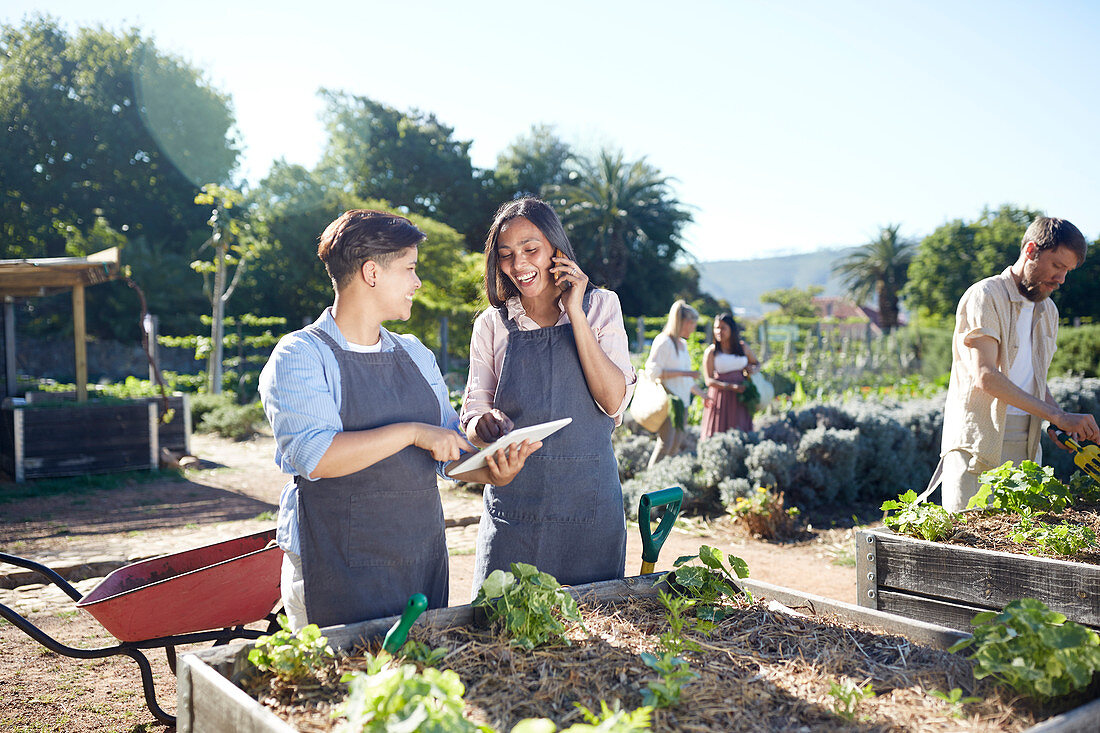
[649, 406]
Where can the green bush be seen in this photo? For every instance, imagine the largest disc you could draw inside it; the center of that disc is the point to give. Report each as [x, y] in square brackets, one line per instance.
[1078, 352]
[204, 402]
[230, 420]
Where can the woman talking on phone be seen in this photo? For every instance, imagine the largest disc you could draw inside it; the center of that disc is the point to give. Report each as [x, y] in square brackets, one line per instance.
[551, 346]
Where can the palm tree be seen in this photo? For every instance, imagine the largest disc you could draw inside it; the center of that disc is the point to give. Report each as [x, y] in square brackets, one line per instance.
[622, 212]
[878, 267]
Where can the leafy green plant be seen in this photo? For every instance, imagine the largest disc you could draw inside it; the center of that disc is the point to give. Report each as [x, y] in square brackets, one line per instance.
[1084, 487]
[673, 640]
[1022, 490]
[388, 697]
[291, 656]
[708, 583]
[609, 720]
[1032, 649]
[750, 398]
[847, 696]
[418, 651]
[762, 514]
[930, 521]
[672, 674]
[530, 605]
[955, 699]
[1053, 539]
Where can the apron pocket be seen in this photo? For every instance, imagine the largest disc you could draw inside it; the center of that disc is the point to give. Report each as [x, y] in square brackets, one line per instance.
[550, 489]
[398, 527]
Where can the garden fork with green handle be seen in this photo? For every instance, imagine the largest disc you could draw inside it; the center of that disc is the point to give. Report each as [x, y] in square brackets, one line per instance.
[670, 498]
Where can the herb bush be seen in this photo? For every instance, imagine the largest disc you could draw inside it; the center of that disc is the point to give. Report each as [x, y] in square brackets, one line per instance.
[529, 605]
[926, 520]
[1032, 649]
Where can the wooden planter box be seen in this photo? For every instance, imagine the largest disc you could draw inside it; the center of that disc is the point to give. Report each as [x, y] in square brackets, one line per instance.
[208, 701]
[67, 440]
[174, 436]
[947, 584]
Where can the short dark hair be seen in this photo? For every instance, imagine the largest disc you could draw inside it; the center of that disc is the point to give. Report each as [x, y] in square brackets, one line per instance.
[360, 235]
[499, 288]
[1050, 233]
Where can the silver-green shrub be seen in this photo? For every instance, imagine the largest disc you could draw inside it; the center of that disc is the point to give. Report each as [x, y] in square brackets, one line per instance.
[826, 466]
[632, 451]
[722, 455]
[769, 464]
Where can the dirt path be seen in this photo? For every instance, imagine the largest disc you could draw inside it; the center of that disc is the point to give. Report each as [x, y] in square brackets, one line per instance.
[234, 492]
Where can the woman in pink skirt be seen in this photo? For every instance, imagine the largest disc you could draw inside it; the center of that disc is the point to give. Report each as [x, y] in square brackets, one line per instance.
[727, 363]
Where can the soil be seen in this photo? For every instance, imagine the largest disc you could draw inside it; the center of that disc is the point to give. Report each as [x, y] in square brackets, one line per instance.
[997, 532]
[233, 491]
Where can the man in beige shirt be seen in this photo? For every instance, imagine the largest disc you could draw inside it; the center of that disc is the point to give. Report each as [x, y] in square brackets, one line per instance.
[1005, 332]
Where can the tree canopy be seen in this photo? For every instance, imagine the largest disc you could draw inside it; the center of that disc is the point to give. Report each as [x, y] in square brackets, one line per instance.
[959, 254]
[108, 140]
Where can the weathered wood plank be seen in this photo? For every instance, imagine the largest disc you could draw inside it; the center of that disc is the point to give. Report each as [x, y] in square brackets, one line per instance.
[932, 610]
[985, 578]
[207, 703]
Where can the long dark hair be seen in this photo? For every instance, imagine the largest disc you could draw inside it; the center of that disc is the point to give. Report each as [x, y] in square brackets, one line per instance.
[499, 288]
[735, 336]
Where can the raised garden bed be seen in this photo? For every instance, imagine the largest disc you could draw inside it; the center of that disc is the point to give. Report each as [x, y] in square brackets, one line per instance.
[209, 699]
[947, 584]
[54, 437]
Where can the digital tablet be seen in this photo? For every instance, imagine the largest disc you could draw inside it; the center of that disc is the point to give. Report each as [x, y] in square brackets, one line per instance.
[531, 432]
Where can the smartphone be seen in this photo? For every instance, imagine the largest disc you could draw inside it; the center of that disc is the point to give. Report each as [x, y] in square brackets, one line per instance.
[557, 280]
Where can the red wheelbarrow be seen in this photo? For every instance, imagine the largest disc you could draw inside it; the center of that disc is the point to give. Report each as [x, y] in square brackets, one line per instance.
[206, 594]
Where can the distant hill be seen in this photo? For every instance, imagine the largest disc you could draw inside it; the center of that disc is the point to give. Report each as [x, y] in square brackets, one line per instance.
[741, 282]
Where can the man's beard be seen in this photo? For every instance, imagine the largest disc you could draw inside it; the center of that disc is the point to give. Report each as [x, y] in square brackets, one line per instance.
[1030, 290]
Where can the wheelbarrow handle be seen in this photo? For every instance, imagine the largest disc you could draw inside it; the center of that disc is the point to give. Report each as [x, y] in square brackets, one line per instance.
[671, 497]
[395, 637]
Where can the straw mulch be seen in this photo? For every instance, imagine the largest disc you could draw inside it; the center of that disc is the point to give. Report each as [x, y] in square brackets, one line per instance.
[762, 669]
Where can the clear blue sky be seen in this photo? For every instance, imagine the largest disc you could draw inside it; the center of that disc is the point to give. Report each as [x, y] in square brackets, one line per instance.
[788, 126]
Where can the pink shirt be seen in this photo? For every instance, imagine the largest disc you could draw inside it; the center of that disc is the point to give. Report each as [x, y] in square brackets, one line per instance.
[490, 340]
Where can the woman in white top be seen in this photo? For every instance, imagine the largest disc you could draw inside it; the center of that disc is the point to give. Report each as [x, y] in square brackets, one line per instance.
[727, 363]
[670, 364]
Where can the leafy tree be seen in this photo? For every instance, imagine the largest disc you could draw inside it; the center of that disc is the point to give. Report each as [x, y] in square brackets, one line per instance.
[231, 241]
[959, 254]
[533, 162]
[411, 160]
[103, 135]
[878, 267]
[792, 302]
[1079, 297]
[287, 279]
[626, 227]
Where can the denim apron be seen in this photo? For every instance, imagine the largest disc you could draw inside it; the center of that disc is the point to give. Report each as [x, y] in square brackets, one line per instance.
[563, 513]
[372, 538]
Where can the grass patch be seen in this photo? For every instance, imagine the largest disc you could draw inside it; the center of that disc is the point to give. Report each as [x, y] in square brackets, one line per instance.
[268, 516]
[83, 484]
[461, 551]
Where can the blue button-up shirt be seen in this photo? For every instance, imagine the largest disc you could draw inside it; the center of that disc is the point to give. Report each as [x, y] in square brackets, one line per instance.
[300, 392]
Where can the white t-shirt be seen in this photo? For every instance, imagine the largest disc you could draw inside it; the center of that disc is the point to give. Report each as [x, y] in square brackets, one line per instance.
[1022, 371]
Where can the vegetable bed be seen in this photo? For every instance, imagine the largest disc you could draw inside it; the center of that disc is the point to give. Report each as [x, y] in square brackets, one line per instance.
[809, 663]
[947, 584]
